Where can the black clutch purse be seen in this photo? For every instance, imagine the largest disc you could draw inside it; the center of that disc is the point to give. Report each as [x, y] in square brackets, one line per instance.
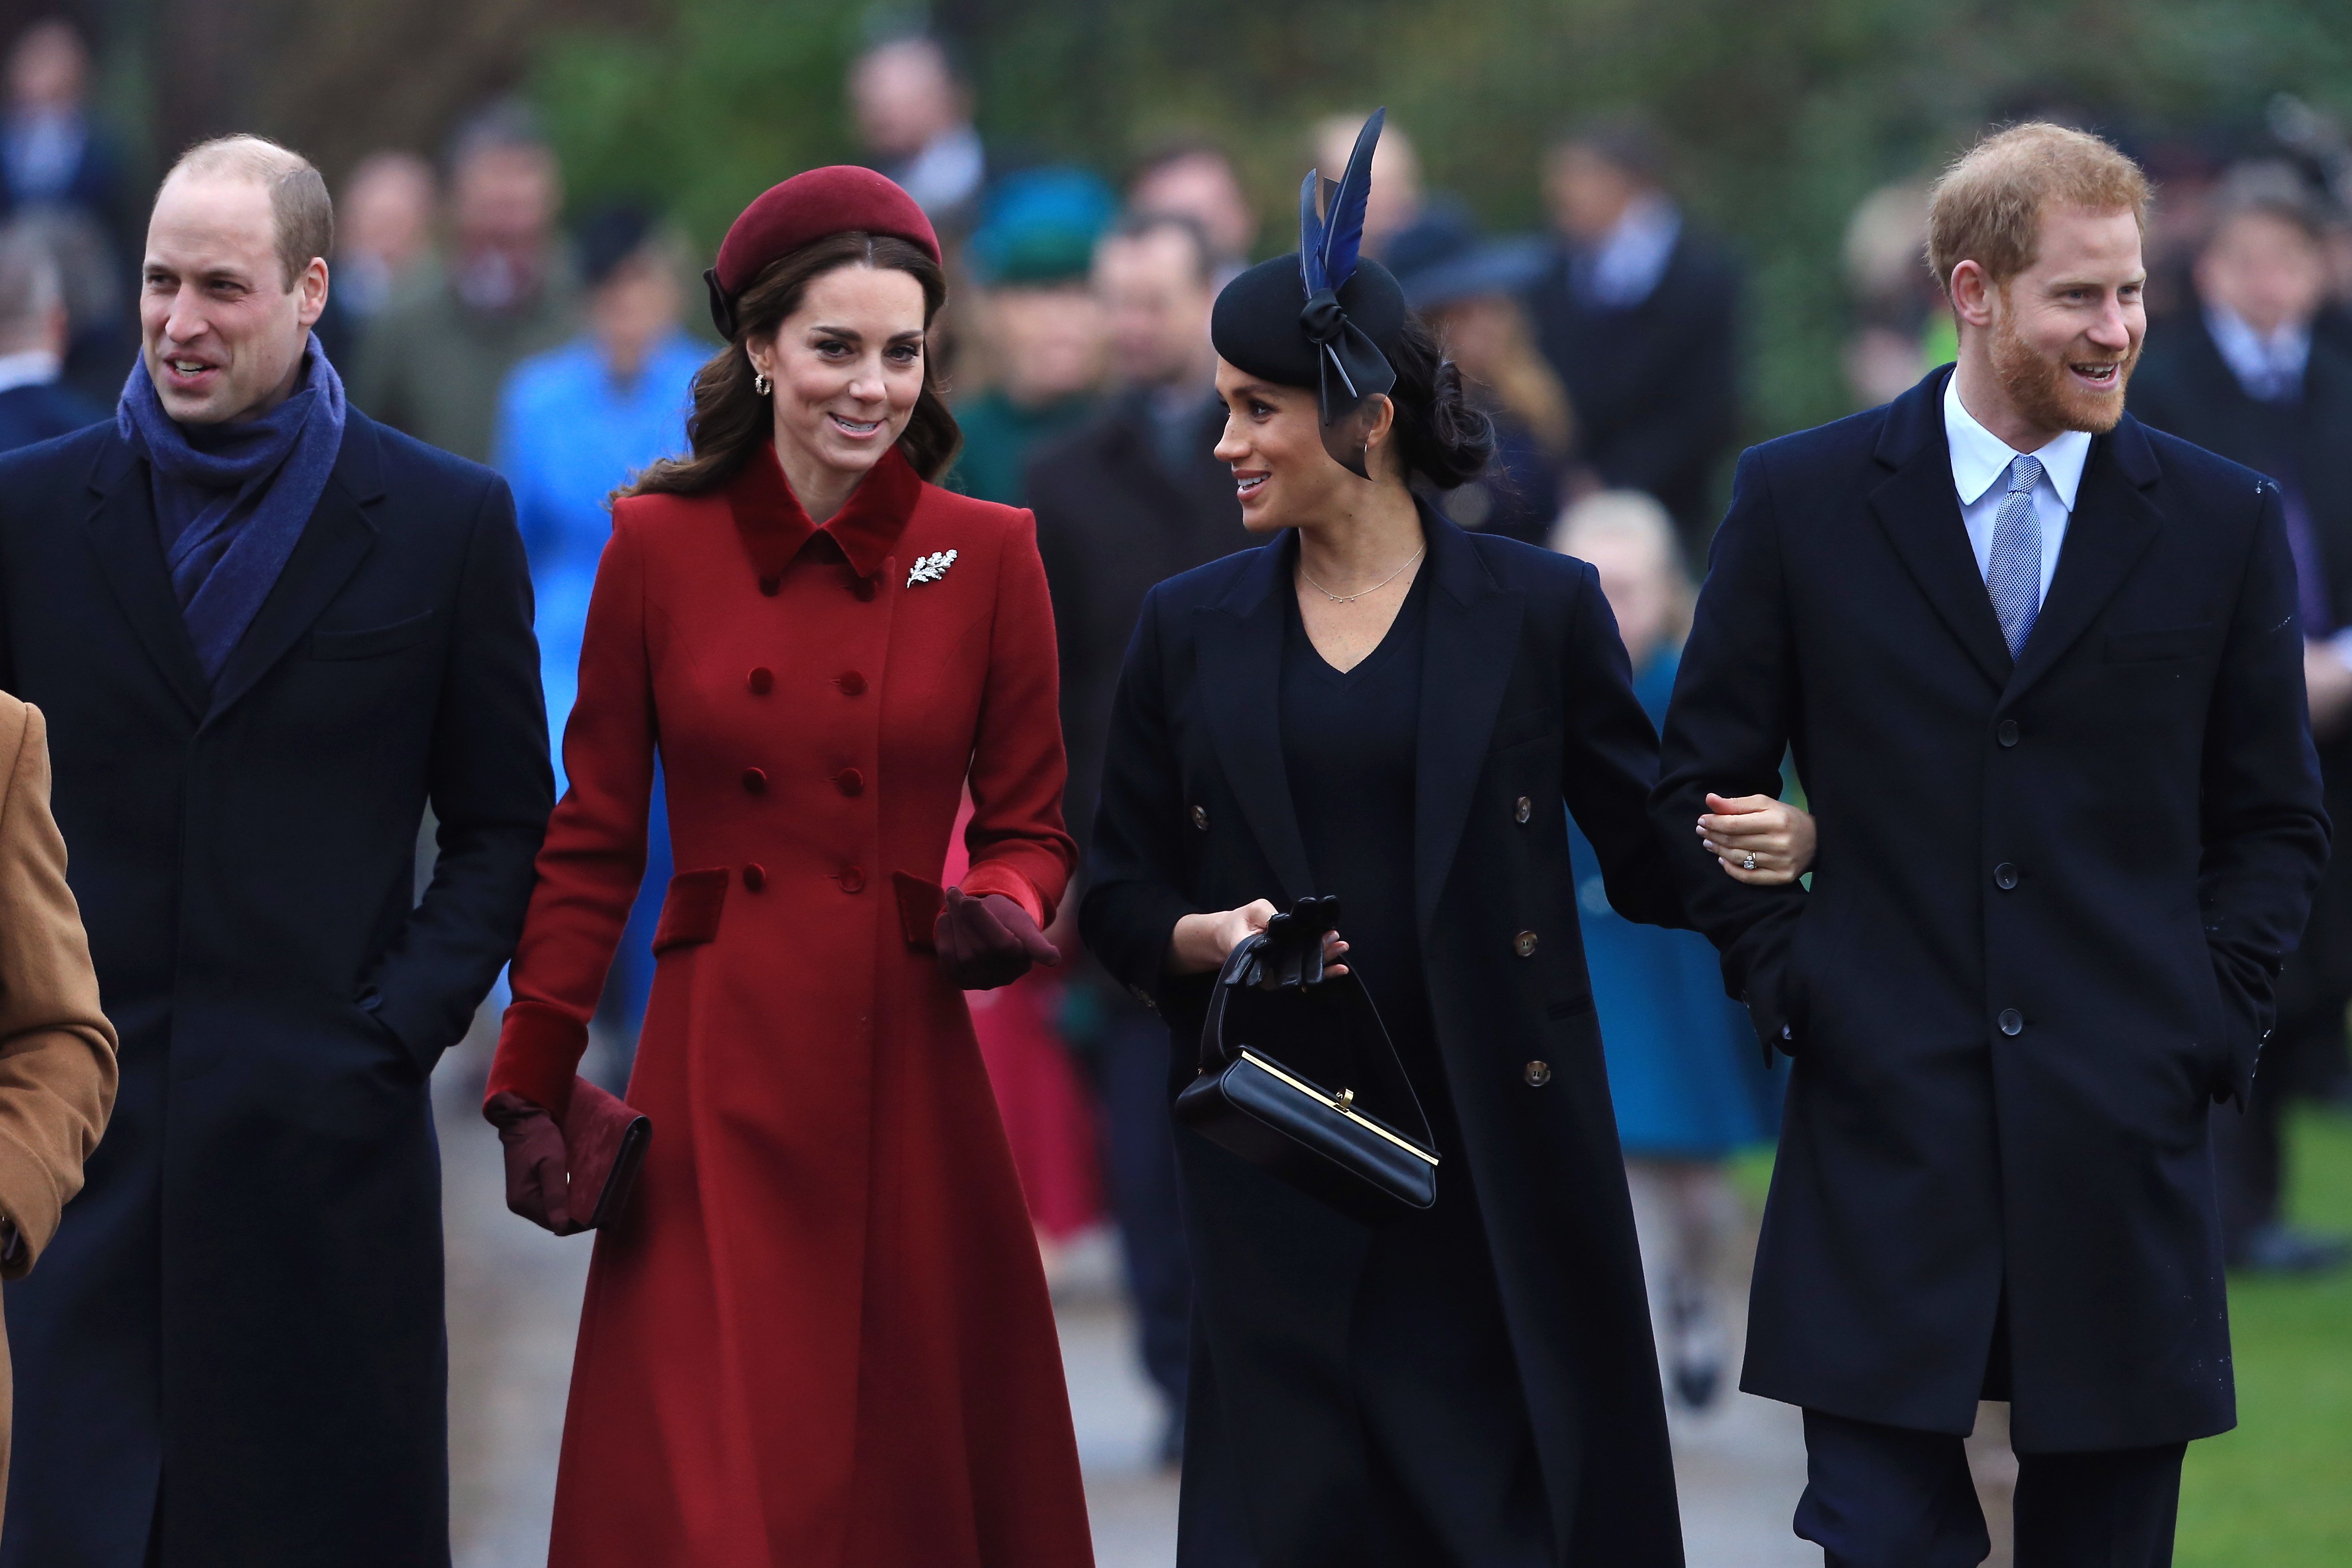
[1277, 1032]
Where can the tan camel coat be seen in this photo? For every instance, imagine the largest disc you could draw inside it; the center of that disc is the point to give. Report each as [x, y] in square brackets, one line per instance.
[57, 1050]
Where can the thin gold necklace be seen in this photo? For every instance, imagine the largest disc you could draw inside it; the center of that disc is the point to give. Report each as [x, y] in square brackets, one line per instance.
[1351, 598]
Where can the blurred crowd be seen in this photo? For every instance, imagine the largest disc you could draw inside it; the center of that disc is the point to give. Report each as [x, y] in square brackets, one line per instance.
[478, 309]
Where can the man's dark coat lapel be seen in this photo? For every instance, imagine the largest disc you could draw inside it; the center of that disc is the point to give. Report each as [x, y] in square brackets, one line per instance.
[1473, 643]
[121, 531]
[333, 543]
[1920, 507]
[2113, 524]
[1241, 693]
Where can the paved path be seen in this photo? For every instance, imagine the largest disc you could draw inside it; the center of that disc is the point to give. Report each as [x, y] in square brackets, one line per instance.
[514, 1304]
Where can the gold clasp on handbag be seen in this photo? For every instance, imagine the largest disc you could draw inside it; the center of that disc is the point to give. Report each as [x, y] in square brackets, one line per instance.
[1345, 1100]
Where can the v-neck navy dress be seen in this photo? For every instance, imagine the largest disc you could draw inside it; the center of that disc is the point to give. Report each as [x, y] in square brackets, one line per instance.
[1434, 1388]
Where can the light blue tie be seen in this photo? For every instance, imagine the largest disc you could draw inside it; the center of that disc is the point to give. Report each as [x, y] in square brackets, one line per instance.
[2014, 577]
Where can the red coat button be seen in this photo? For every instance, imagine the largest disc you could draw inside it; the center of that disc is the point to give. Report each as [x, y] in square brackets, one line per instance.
[850, 782]
[852, 879]
[755, 877]
[755, 780]
[851, 683]
[769, 585]
[761, 680]
[864, 588]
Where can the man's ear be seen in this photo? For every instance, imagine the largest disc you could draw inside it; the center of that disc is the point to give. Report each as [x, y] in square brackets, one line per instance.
[312, 289]
[1971, 293]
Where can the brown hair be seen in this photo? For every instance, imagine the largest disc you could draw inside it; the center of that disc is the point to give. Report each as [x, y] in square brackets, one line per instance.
[732, 418]
[1988, 207]
[300, 208]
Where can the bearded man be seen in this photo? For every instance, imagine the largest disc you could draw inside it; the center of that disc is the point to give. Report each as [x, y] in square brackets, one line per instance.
[2041, 669]
[266, 631]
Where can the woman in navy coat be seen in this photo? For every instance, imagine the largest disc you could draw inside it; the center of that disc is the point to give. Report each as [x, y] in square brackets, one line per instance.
[1371, 707]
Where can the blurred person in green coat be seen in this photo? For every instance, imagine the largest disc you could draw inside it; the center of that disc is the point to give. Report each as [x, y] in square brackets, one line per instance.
[431, 363]
[1040, 327]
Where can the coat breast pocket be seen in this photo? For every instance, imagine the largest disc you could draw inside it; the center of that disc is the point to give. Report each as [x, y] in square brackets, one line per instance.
[1521, 728]
[370, 641]
[2159, 643]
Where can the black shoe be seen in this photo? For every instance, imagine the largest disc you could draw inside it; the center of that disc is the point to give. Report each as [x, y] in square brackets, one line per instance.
[1696, 1383]
[2279, 1249]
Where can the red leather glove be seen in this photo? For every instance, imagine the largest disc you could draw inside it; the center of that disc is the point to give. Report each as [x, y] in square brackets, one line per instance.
[989, 941]
[538, 1185]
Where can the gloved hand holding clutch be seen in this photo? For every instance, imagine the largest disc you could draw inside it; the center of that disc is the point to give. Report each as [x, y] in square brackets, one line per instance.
[989, 941]
[575, 1173]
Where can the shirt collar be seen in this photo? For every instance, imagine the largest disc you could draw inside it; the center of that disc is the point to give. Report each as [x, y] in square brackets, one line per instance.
[1627, 266]
[1980, 459]
[2268, 368]
[32, 368]
[774, 526]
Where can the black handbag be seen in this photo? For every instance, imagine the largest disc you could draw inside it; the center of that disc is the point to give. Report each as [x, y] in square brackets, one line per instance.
[1279, 1030]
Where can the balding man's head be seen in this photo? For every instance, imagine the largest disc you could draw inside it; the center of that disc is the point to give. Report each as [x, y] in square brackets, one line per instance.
[300, 210]
[235, 277]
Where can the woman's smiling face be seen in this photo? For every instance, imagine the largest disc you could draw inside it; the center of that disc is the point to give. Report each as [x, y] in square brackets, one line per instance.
[1274, 444]
[847, 365]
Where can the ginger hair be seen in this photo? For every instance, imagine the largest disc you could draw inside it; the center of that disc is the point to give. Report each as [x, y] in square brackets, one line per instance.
[1988, 207]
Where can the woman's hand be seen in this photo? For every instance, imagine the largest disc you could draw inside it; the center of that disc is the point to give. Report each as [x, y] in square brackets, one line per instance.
[1757, 840]
[1201, 943]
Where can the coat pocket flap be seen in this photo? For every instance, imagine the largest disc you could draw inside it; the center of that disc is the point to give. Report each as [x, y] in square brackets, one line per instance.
[920, 903]
[690, 909]
[369, 642]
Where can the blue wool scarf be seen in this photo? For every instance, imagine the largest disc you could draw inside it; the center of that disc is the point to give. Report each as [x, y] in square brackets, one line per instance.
[232, 500]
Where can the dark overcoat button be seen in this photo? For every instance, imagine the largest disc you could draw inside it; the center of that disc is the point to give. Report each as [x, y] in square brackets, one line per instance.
[2004, 876]
[1525, 944]
[769, 585]
[1201, 818]
[1537, 1074]
[755, 781]
[849, 781]
[755, 877]
[761, 680]
[1523, 810]
[2007, 733]
[851, 683]
[2012, 1022]
[852, 879]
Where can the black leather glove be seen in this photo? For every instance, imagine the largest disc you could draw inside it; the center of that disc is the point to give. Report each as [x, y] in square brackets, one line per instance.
[989, 941]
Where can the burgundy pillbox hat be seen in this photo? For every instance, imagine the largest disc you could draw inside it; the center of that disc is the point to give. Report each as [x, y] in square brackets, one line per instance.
[840, 199]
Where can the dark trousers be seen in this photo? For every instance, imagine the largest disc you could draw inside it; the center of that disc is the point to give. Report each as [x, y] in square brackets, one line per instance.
[1130, 1070]
[1885, 1496]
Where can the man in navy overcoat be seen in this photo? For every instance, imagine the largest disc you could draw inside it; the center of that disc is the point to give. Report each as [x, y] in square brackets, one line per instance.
[2041, 669]
[267, 632]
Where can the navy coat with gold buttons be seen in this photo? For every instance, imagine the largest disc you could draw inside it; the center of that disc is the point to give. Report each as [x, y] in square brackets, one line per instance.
[2051, 895]
[1526, 698]
[235, 1341]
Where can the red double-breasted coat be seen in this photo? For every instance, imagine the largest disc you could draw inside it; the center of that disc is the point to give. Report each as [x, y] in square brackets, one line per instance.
[820, 1335]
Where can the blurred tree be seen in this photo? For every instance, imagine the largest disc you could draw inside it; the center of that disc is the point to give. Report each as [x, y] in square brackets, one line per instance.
[1778, 118]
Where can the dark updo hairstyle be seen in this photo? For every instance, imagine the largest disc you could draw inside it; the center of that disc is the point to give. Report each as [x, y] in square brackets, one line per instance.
[732, 419]
[1442, 437]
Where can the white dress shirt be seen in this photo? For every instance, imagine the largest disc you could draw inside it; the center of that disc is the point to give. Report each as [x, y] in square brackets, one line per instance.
[1981, 463]
[2268, 368]
[1626, 267]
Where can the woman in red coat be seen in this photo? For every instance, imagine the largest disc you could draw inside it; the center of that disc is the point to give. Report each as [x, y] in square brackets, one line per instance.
[817, 1333]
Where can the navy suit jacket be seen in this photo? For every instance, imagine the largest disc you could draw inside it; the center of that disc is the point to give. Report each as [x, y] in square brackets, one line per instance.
[2052, 895]
[237, 1339]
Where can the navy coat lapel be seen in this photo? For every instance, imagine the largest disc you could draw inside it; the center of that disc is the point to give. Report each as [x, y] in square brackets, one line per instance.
[1920, 507]
[1241, 693]
[1473, 643]
[121, 531]
[333, 543]
[2113, 524]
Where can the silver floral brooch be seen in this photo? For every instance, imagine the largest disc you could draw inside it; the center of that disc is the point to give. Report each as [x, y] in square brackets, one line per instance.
[931, 567]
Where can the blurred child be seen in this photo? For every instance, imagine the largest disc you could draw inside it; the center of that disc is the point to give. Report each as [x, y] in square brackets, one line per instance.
[1689, 1086]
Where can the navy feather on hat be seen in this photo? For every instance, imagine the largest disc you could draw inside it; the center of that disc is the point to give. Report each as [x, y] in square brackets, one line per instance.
[1323, 316]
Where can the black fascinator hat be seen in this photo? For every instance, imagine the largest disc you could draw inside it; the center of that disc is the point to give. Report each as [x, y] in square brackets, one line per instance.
[1323, 317]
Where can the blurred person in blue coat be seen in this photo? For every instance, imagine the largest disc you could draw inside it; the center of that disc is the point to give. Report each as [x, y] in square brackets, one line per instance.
[1684, 1073]
[574, 424]
[34, 405]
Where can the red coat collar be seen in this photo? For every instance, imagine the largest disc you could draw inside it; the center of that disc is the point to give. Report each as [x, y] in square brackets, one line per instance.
[774, 527]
